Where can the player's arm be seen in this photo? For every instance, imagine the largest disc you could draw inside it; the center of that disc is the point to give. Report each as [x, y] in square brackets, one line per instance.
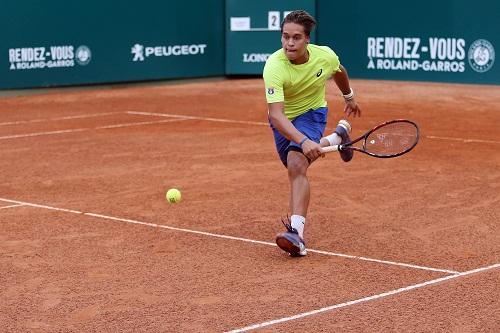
[342, 81]
[279, 121]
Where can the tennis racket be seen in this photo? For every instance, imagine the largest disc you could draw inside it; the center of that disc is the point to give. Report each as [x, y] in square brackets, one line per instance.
[390, 139]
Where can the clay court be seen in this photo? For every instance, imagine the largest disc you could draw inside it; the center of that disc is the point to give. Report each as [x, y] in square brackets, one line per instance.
[89, 244]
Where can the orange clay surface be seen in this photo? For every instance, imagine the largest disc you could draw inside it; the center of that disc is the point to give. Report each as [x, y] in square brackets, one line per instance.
[88, 242]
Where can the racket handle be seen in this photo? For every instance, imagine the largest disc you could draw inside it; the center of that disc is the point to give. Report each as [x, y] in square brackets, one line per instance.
[329, 149]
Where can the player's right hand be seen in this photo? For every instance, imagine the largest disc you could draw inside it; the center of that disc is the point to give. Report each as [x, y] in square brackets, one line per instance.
[312, 150]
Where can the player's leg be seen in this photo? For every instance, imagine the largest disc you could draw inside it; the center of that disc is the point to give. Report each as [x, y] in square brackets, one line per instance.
[312, 124]
[339, 136]
[299, 184]
[292, 240]
[299, 190]
[335, 138]
[289, 241]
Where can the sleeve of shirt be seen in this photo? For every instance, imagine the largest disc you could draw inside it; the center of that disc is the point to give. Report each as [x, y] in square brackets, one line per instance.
[273, 81]
[334, 60]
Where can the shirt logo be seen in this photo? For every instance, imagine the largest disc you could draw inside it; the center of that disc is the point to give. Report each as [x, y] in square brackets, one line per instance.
[270, 91]
[318, 74]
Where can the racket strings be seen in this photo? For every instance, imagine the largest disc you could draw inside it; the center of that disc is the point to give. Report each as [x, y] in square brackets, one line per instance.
[392, 139]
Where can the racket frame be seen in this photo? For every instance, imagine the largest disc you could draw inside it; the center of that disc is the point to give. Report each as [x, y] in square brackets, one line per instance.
[349, 145]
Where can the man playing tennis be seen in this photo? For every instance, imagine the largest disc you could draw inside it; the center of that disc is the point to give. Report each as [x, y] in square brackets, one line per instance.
[295, 80]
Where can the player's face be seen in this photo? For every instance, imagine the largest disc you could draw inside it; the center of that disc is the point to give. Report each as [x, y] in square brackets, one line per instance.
[294, 42]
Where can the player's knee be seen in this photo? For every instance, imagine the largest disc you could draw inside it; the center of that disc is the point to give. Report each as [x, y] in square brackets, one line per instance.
[296, 166]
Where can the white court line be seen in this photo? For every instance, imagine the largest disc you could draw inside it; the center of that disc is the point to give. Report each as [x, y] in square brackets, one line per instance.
[386, 262]
[12, 206]
[460, 139]
[220, 120]
[267, 124]
[90, 115]
[362, 300]
[139, 123]
[42, 206]
[383, 261]
[87, 129]
[185, 117]
[43, 133]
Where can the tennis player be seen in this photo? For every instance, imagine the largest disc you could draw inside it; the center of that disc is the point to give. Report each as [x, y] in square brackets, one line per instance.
[295, 80]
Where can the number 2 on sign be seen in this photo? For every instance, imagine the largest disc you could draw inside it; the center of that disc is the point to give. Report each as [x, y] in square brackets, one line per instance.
[273, 20]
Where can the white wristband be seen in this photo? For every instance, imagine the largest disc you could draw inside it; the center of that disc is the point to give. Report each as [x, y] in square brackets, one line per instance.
[349, 96]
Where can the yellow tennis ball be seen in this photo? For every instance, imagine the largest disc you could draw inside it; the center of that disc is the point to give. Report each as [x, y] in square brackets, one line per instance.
[173, 195]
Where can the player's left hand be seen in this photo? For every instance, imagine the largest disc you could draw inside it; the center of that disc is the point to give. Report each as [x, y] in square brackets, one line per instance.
[352, 108]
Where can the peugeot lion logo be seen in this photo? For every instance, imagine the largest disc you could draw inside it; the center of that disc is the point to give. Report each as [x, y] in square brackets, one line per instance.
[138, 52]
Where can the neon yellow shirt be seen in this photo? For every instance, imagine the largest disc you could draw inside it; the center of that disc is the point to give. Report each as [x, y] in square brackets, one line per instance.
[300, 87]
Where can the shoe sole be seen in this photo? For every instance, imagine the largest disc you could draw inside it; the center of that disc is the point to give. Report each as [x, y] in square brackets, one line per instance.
[287, 245]
[346, 155]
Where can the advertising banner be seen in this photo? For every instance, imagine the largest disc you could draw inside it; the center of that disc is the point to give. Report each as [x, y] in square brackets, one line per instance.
[59, 43]
[445, 41]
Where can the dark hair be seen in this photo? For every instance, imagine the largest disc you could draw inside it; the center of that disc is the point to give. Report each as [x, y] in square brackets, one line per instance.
[300, 17]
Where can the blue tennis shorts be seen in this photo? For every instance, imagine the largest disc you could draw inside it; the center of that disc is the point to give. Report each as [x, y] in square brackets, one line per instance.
[312, 124]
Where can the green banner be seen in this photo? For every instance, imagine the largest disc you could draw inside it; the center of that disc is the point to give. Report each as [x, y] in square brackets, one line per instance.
[444, 41]
[58, 42]
[253, 32]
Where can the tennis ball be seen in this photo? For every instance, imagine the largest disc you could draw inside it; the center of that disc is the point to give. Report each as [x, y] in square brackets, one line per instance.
[173, 195]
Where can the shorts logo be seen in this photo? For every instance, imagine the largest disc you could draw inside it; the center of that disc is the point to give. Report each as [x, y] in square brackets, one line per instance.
[270, 91]
[318, 74]
[481, 55]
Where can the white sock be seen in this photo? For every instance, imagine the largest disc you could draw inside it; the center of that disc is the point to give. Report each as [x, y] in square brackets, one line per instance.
[334, 139]
[298, 223]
